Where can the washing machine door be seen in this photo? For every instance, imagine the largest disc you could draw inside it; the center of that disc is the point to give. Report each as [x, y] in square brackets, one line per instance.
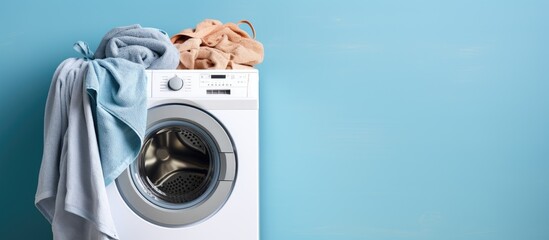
[185, 170]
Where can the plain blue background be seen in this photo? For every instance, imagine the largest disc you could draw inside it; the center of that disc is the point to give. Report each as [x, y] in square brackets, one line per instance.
[379, 119]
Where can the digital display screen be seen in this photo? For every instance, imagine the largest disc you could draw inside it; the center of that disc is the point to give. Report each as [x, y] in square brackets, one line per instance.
[218, 76]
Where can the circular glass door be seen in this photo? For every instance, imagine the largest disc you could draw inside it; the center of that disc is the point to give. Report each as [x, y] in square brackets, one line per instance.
[177, 166]
[186, 168]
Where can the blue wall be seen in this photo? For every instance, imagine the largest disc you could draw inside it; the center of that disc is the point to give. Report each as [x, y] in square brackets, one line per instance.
[379, 119]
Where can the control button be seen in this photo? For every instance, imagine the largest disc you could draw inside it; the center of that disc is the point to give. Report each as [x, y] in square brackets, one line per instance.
[175, 83]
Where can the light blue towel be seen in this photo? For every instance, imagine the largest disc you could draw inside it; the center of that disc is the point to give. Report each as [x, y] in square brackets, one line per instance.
[94, 125]
[117, 89]
[117, 84]
[71, 192]
[149, 47]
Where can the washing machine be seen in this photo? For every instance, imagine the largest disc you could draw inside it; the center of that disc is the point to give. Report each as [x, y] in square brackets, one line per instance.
[197, 174]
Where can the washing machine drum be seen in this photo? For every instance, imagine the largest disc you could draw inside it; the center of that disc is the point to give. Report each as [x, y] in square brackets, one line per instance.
[185, 170]
[175, 164]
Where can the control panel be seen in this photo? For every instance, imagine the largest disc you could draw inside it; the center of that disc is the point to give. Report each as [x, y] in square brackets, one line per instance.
[201, 83]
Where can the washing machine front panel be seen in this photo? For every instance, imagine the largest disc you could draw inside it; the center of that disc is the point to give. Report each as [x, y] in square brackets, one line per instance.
[185, 171]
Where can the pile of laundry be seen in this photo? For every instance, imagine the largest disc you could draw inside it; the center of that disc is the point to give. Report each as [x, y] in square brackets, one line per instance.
[214, 45]
[96, 113]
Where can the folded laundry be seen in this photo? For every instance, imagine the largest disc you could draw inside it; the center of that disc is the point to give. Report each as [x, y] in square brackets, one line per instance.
[71, 192]
[214, 45]
[149, 47]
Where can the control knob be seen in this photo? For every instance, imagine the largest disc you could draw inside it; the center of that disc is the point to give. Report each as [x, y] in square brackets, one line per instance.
[175, 83]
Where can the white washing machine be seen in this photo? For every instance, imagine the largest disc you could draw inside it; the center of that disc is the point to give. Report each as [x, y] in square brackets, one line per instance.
[197, 175]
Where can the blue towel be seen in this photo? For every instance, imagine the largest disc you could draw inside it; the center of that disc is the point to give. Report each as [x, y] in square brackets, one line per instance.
[89, 141]
[117, 84]
[71, 192]
[149, 47]
[117, 89]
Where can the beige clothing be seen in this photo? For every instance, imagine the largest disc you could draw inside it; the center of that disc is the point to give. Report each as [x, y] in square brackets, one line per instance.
[214, 45]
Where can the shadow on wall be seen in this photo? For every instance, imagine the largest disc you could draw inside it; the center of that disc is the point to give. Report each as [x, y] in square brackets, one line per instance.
[21, 152]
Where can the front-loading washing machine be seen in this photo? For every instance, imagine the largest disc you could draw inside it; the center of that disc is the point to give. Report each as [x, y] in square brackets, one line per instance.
[197, 174]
